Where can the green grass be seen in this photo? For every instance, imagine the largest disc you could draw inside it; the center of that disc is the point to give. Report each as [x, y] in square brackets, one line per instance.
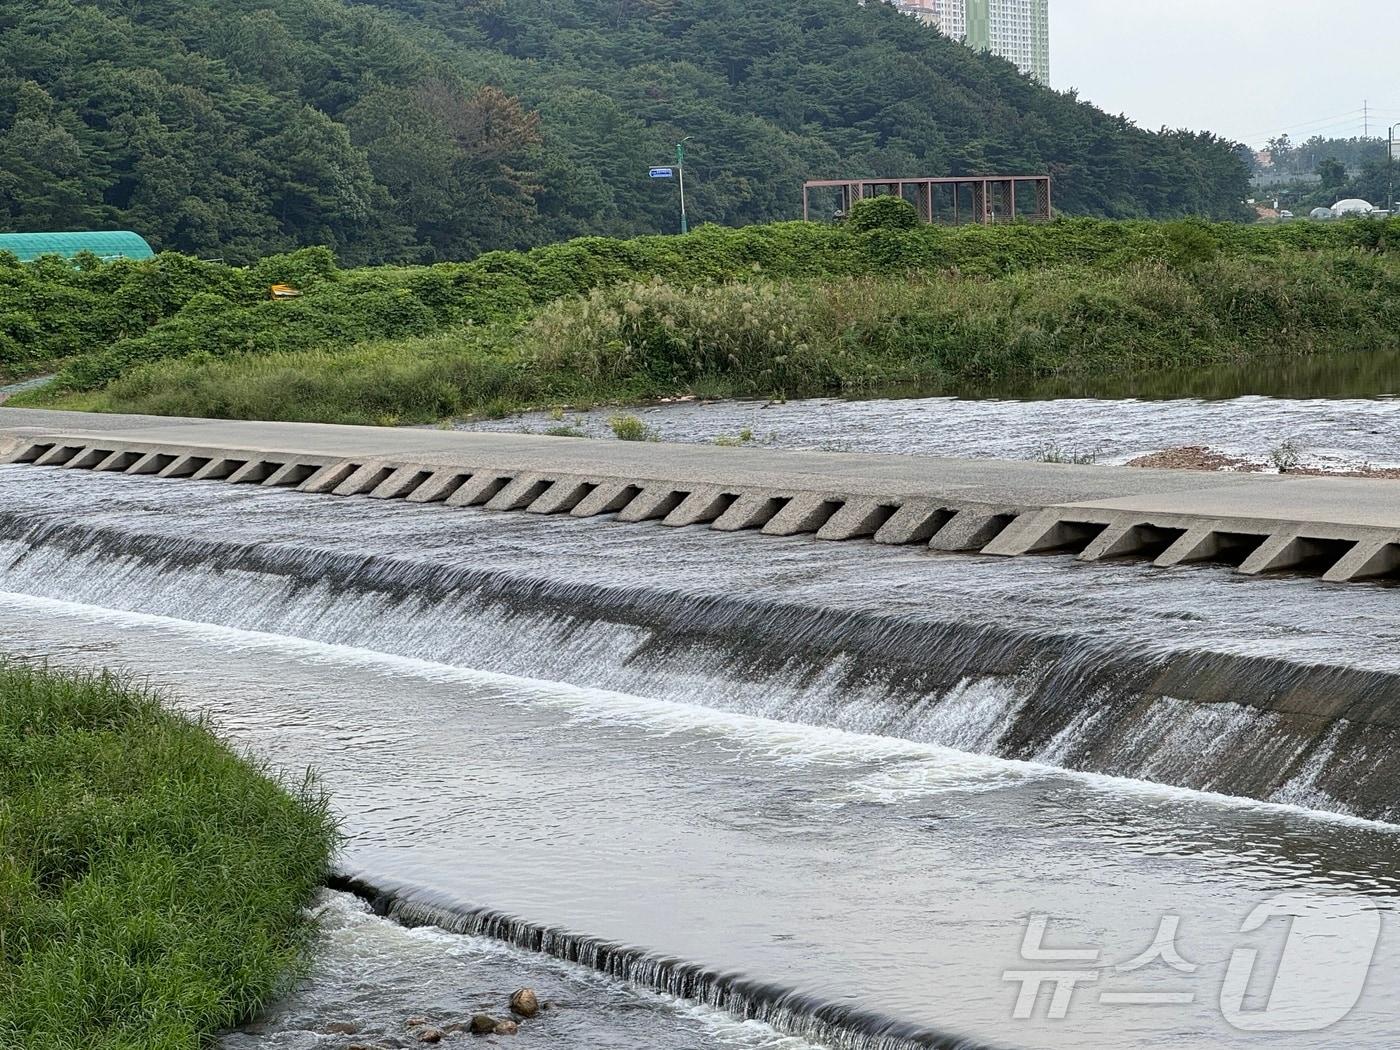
[105, 321]
[152, 882]
[630, 428]
[790, 309]
[801, 337]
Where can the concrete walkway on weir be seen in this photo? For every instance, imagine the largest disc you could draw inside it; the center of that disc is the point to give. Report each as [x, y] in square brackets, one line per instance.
[1341, 528]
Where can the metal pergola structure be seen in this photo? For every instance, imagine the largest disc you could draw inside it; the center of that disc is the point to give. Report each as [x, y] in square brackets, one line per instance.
[986, 199]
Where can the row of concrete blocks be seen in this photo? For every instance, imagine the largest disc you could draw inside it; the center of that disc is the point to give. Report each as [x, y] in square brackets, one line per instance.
[1337, 554]
[828, 516]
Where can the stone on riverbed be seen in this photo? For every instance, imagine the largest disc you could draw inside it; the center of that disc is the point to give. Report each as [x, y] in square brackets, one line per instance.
[483, 1024]
[525, 1002]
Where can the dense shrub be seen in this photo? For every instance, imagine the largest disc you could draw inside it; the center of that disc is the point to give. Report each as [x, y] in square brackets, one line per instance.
[105, 320]
[885, 212]
[802, 336]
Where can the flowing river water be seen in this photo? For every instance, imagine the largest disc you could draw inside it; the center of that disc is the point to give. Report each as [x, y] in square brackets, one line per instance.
[1335, 411]
[728, 790]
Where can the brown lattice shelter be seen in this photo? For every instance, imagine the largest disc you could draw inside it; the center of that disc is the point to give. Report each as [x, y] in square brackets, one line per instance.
[986, 199]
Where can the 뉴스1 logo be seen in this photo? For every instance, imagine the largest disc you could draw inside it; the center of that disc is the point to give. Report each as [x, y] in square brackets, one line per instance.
[1312, 983]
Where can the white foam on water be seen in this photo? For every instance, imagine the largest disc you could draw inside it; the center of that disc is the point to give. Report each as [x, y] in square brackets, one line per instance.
[939, 768]
[377, 973]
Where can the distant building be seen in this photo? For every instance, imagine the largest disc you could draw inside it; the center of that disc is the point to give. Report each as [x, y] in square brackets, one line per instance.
[949, 16]
[1017, 30]
[105, 244]
[1352, 206]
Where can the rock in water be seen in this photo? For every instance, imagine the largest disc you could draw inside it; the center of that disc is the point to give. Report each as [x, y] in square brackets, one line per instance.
[430, 1035]
[507, 1028]
[525, 1002]
[483, 1024]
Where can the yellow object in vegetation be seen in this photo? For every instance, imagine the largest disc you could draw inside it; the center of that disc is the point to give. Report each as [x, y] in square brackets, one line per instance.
[285, 291]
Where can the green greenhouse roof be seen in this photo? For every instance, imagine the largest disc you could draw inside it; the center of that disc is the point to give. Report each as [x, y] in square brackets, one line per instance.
[120, 244]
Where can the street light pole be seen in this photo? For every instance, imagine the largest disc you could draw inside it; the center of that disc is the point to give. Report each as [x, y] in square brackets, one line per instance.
[680, 171]
[1390, 167]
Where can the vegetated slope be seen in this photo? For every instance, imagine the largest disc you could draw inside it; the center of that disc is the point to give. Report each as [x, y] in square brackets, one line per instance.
[430, 129]
[152, 883]
[788, 308]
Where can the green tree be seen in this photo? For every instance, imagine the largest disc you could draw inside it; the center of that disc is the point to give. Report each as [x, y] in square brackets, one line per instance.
[419, 129]
[47, 179]
[1333, 173]
[323, 191]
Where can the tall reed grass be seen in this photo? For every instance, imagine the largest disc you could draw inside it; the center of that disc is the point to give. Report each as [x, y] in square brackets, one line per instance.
[799, 337]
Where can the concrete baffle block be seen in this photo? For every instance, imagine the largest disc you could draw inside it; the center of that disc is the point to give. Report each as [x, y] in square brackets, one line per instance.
[1198, 543]
[1280, 551]
[608, 497]
[1029, 533]
[219, 468]
[118, 461]
[805, 512]
[482, 488]
[440, 487]
[12, 448]
[562, 497]
[365, 479]
[401, 483]
[58, 455]
[652, 503]
[752, 510]
[702, 507]
[87, 458]
[254, 472]
[915, 522]
[1291, 549]
[328, 478]
[151, 463]
[184, 467]
[970, 529]
[857, 519]
[1129, 537]
[290, 475]
[1367, 560]
[520, 493]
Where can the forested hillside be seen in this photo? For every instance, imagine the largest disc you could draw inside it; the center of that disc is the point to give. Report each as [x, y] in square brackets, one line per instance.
[428, 129]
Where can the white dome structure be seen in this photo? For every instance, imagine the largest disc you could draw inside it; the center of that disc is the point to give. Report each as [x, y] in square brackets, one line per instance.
[1352, 206]
[1321, 213]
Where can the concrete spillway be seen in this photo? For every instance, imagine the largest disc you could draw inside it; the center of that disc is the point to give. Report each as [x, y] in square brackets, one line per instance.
[718, 765]
[1342, 529]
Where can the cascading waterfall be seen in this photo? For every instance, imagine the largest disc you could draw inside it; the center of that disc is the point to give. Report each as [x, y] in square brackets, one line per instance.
[1243, 723]
[836, 1025]
[858, 892]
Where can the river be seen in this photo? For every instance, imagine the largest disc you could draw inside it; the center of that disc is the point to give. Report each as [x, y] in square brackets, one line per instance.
[708, 790]
[1332, 411]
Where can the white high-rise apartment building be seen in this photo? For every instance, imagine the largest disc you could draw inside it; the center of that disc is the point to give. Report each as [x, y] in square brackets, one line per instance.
[1017, 30]
[952, 17]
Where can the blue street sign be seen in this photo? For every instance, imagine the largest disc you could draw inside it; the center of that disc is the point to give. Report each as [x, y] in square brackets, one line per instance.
[662, 173]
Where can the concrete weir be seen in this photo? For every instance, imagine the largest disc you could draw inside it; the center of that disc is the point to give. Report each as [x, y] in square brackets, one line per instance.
[1340, 529]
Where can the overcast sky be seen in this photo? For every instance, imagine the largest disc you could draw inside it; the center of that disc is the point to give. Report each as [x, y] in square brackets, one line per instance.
[1217, 64]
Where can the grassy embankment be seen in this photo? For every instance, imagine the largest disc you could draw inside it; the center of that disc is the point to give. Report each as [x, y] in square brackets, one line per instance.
[788, 309]
[152, 883]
